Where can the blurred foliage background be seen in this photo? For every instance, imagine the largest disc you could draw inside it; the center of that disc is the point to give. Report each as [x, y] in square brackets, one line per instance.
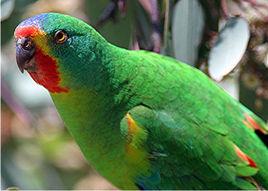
[226, 39]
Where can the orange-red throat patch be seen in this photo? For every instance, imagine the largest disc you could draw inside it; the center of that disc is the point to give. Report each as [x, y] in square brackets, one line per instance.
[47, 73]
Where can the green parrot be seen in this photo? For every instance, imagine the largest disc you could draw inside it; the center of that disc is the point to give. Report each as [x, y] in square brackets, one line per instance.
[142, 120]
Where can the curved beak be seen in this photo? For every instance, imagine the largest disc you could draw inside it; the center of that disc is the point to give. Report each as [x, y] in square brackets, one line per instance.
[25, 50]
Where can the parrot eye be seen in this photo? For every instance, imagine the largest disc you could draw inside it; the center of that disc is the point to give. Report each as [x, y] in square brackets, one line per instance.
[60, 37]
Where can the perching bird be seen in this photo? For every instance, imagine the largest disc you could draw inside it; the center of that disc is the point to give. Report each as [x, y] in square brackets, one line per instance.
[142, 120]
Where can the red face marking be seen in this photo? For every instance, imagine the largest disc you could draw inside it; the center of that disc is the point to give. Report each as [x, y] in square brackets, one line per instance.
[244, 157]
[47, 73]
[27, 31]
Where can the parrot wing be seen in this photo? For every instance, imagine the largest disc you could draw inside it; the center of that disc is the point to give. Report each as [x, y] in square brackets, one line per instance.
[184, 154]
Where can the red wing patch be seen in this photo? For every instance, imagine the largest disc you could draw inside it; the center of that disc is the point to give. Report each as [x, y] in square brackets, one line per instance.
[244, 157]
[251, 123]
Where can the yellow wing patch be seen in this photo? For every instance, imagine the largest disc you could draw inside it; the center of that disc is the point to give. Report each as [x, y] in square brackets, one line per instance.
[135, 135]
[132, 126]
[135, 150]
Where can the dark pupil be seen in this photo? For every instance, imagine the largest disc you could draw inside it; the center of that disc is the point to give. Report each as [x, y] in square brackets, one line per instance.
[59, 36]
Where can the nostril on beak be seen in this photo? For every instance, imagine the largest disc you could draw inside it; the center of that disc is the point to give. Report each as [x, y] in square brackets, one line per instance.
[26, 43]
[25, 50]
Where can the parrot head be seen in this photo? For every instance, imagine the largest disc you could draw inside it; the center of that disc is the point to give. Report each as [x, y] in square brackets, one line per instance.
[56, 49]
